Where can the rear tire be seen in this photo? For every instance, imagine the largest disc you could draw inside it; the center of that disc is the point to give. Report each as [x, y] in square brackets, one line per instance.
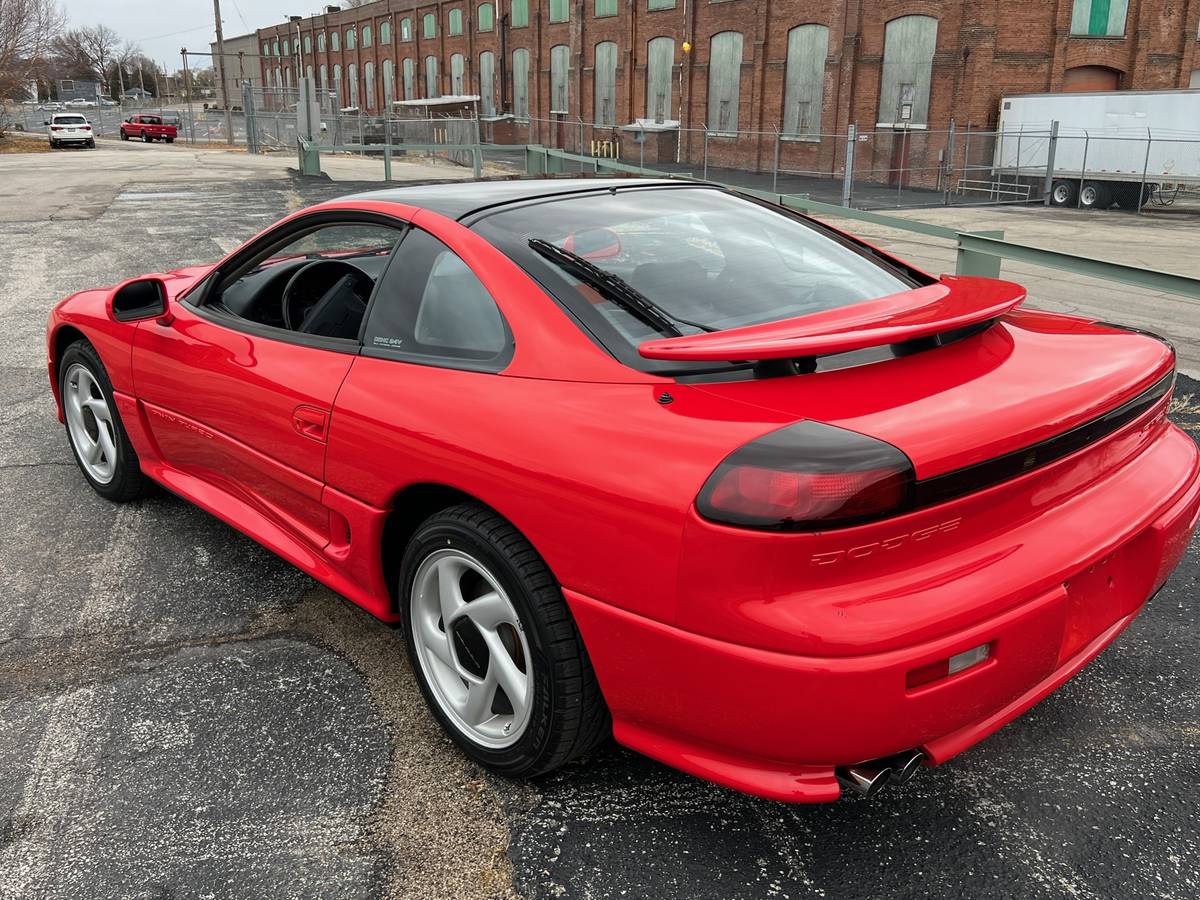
[92, 144]
[1095, 195]
[1063, 193]
[170, 140]
[95, 432]
[145, 138]
[1127, 196]
[510, 631]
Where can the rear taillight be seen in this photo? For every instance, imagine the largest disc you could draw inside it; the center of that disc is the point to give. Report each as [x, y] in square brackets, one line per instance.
[808, 477]
[57, 127]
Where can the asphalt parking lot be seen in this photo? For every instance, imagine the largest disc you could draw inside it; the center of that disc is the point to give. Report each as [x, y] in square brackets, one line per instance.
[183, 714]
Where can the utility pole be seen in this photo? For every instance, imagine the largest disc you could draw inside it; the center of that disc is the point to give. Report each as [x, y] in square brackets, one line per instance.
[187, 87]
[221, 73]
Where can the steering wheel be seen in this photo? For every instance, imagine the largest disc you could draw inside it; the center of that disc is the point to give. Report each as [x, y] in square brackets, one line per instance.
[315, 282]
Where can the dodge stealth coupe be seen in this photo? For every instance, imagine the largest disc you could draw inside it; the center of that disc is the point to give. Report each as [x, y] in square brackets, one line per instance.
[654, 460]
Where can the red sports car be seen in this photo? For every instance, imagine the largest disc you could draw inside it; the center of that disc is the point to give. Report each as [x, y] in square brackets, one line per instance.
[655, 460]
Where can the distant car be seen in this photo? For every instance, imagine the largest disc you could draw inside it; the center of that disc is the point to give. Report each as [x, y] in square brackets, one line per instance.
[104, 101]
[147, 129]
[78, 103]
[171, 119]
[70, 128]
[51, 105]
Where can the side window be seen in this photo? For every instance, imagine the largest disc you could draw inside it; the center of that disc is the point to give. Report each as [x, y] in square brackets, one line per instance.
[432, 309]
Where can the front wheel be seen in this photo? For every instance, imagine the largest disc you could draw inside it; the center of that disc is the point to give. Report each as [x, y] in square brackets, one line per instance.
[124, 136]
[1063, 193]
[94, 429]
[1095, 195]
[494, 646]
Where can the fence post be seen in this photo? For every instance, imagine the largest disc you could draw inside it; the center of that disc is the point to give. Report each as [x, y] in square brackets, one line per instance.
[1051, 149]
[1020, 135]
[387, 161]
[972, 262]
[1082, 169]
[966, 176]
[948, 165]
[706, 151]
[248, 112]
[1145, 168]
[775, 171]
[848, 174]
[477, 159]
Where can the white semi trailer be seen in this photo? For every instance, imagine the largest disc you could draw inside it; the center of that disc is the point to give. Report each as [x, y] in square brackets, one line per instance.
[1111, 147]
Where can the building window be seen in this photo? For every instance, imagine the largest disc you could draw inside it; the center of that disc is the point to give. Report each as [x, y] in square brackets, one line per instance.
[366, 32]
[805, 81]
[560, 10]
[352, 77]
[724, 82]
[520, 14]
[458, 67]
[432, 87]
[429, 25]
[266, 49]
[275, 47]
[908, 45]
[661, 4]
[560, 65]
[287, 49]
[308, 72]
[369, 80]
[520, 77]
[406, 29]
[337, 83]
[324, 83]
[335, 42]
[606, 8]
[389, 81]
[407, 70]
[455, 21]
[321, 42]
[385, 33]
[1099, 18]
[605, 81]
[660, 60]
[308, 43]
[487, 17]
[350, 39]
[487, 81]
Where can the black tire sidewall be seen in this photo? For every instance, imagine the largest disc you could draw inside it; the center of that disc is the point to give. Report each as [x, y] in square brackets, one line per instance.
[438, 534]
[127, 481]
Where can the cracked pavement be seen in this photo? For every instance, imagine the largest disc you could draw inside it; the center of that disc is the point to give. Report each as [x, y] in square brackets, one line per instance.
[184, 714]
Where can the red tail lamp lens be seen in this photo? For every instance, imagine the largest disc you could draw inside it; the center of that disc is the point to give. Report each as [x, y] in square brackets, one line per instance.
[807, 477]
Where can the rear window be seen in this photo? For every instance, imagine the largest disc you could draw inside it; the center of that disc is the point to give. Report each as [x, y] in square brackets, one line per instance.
[151, 120]
[70, 120]
[710, 260]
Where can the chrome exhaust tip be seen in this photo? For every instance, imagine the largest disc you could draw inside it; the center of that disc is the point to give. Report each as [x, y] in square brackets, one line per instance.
[905, 765]
[865, 779]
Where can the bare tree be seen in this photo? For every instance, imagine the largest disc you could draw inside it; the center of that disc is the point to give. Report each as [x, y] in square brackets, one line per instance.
[95, 46]
[27, 29]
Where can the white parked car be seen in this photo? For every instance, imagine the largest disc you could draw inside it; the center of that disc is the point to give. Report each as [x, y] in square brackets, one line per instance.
[70, 128]
[78, 103]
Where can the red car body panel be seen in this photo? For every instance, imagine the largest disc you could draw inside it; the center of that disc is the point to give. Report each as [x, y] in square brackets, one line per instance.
[799, 643]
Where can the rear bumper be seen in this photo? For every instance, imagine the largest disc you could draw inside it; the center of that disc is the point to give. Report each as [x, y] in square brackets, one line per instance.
[776, 724]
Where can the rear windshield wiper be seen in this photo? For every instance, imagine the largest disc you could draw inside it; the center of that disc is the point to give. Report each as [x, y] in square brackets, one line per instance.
[616, 289]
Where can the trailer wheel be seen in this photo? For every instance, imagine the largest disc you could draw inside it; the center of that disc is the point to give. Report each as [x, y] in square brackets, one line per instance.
[1062, 193]
[1095, 195]
[1127, 196]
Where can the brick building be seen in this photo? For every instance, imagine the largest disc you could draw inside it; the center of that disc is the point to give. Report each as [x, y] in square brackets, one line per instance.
[741, 68]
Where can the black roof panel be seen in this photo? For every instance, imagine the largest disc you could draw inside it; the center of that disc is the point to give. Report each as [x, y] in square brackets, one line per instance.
[459, 199]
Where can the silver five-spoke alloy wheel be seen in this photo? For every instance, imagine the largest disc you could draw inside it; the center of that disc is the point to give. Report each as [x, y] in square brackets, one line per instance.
[90, 423]
[472, 648]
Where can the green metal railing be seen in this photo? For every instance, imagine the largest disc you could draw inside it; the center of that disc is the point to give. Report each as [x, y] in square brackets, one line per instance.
[310, 154]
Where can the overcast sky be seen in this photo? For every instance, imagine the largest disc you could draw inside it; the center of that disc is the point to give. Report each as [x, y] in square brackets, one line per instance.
[161, 27]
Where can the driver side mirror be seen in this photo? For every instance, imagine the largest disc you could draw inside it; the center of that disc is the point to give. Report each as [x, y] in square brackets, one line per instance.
[140, 298]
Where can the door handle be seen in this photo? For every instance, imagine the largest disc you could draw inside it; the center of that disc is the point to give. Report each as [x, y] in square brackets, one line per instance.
[311, 422]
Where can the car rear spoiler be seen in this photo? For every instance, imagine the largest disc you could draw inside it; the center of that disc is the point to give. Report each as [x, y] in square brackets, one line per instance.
[953, 302]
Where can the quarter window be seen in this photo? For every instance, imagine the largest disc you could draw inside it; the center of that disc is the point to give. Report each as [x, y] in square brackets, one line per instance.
[432, 309]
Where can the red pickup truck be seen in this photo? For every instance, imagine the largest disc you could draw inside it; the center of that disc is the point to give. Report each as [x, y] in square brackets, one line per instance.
[148, 128]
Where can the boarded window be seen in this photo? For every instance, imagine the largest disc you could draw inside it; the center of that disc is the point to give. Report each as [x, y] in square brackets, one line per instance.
[807, 46]
[337, 82]
[560, 10]
[660, 58]
[606, 8]
[456, 21]
[520, 13]
[287, 49]
[367, 36]
[432, 87]
[407, 74]
[429, 25]
[520, 79]
[324, 84]
[724, 82]
[389, 81]
[1105, 18]
[487, 82]
[385, 33]
[350, 38]
[406, 29]
[662, 4]
[487, 17]
[560, 66]
[457, 70]
[352, 77]
[605, 80]
[908, 46]
[335, 41]
[321, 42]
[369, 79]
[308, 43]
